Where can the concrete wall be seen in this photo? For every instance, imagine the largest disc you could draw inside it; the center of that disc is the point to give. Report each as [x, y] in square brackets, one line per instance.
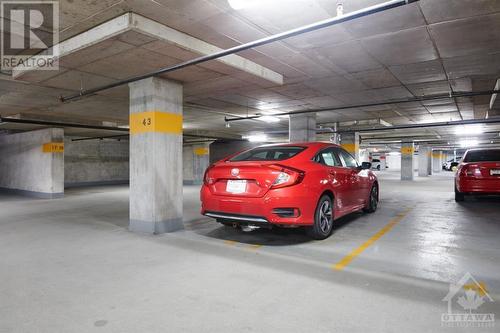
[27, 168]
[94, 162]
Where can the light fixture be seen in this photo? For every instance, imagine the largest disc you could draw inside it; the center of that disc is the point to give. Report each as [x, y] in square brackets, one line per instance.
[269, 119]
[469, 143]
[242, 4]
[256, 138]
[228, 124]
[340, 9]
[469, 130]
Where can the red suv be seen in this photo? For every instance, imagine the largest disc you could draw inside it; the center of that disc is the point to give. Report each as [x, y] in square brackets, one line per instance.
[478, 173]
[289, 185]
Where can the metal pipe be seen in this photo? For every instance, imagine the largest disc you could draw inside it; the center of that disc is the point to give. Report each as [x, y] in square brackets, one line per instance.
[426, 125]
[59, 124]
[95, 127]
[388, 102]
[263, 41]
[102, 137]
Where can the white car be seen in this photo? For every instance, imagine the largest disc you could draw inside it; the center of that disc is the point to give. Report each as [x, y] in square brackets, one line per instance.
[451, 164]
[376, 164]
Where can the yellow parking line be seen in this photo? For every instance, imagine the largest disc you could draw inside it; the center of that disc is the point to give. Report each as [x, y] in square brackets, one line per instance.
[255, 246]
[230, 242]
[350, 257]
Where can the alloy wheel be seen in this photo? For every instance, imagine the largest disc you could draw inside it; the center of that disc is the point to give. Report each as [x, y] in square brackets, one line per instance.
[325, 216]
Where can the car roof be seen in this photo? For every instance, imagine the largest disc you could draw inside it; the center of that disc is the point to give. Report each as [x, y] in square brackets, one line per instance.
[310, 144]
[480, 149]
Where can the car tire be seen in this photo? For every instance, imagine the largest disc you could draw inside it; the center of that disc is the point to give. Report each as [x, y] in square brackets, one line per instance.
[459, 196]
[378, 167]
[372, 205]
[323, 219]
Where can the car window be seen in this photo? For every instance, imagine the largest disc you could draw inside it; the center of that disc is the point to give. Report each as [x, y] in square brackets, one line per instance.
[375, 160]
[349, 161]
[328, 158]
[275, 153]
[490, 155]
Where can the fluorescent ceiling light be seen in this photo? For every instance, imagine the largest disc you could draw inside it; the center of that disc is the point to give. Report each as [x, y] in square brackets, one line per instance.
[242, 4]
[469, 143]
[256, 138]
[469, 130]
[269, 119]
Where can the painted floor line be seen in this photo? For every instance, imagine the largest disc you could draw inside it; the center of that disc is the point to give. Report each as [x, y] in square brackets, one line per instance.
[351, 256]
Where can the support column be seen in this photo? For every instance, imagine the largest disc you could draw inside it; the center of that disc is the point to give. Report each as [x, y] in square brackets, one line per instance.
[407, 149]
[350, 142]
[32, 163]
[155, 156]
[302, 128]
[201, 161]
[436, 161]
[424, 153]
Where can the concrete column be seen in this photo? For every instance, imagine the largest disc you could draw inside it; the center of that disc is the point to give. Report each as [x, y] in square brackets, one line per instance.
[424, 153]
[155, 156]
[32, 163]
[436, 161]
[196, 160]
[302, 127]
[407, 149]
[383, 162]
[350, 142]
[201, 161]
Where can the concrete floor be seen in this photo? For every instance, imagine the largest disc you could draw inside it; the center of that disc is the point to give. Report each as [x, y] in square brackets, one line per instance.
[70, 265]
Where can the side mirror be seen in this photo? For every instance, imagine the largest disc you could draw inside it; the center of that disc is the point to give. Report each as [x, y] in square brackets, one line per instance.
[366, 166]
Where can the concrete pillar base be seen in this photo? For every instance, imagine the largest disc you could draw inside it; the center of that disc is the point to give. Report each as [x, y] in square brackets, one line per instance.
[156, 228]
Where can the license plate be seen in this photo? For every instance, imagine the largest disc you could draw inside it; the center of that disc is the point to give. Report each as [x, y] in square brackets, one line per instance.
[236, 186]
[495, 172]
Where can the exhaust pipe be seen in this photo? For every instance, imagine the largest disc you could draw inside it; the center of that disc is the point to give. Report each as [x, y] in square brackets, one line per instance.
[249, 228]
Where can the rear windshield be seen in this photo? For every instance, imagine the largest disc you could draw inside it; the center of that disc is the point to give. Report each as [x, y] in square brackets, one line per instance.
[492, 155]
[268, 154]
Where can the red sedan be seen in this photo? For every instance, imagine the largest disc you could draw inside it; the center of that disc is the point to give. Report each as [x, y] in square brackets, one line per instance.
[478, 173]
[289, 185]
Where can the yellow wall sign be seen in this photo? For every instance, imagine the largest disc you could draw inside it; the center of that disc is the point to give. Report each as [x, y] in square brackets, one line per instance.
[53, 147]
[407, 150]
[155, 122]
[201, 151]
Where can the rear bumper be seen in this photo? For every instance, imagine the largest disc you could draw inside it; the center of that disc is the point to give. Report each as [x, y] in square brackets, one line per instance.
[479, 186]
[260, 210]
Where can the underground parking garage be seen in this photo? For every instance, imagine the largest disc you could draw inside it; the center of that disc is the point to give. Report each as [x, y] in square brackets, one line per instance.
[248, 165]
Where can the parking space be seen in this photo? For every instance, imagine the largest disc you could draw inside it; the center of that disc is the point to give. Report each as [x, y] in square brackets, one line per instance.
[77, 255]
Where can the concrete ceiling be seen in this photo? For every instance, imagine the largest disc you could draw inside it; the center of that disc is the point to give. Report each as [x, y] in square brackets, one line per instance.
[424, 48]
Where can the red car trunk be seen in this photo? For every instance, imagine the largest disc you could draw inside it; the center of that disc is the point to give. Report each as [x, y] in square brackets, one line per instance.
[256, 178]
[482, 170]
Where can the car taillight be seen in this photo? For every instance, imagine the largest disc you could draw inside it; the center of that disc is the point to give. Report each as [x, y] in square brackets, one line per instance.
[470, 171]
[287, 176]
[206, 177]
